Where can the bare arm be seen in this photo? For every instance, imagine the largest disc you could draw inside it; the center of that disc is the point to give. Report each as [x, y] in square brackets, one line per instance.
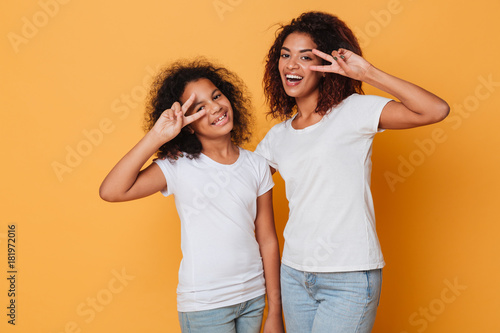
[417, 106]
[265, 234]
[126, 181]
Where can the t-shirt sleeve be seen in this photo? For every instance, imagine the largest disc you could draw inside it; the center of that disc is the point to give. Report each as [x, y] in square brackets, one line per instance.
[264, 149]
[169, 171]
[367, 110]
[266, 179]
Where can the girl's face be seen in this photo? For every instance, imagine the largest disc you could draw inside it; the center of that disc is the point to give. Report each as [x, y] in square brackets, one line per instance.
[218, 121]
[296, 57]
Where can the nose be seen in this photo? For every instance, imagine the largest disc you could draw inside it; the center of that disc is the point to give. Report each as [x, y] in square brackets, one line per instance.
[291, 63]
[215, 108]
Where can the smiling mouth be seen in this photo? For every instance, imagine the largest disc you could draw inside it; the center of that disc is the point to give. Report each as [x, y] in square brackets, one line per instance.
[293, 78]
[220, 120]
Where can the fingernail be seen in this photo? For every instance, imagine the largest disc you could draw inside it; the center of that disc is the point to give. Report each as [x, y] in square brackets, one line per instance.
[342, 57]
[181, 155]
[335, 58]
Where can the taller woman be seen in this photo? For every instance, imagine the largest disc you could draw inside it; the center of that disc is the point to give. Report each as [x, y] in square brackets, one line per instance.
[331, 267]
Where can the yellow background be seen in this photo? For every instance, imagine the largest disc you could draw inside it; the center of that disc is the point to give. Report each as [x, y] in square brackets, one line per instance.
[73, 78]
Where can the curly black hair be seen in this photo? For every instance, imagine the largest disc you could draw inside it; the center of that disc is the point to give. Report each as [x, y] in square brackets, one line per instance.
[168, 87]
[329, 33]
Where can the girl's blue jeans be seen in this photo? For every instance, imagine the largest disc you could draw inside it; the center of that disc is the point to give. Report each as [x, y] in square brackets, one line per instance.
[245, 317]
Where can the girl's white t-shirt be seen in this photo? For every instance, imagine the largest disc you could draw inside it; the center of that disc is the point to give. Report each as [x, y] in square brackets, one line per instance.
[217, 206]
[327, 168]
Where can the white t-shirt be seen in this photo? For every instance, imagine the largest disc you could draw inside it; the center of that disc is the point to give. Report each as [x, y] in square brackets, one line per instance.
[326, 168]
[217, 206]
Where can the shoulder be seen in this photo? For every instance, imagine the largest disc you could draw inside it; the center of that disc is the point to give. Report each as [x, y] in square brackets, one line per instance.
[173, 164]
[280, 126]
[253, 157]
[277, 130]
[365, 101]
[257, 168]
[256, 161]
[163, 162]
[357, 105]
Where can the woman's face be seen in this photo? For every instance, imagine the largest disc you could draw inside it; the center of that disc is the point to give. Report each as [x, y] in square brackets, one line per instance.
[296, 57]
[218, 120]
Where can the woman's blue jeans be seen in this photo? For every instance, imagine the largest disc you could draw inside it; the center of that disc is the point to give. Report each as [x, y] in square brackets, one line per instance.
[342, 302]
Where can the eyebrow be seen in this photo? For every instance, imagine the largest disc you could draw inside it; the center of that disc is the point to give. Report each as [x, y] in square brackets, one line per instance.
[301, 51]
[213, 92]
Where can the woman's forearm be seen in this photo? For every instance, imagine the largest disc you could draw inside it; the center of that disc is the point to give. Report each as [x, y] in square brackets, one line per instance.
[429, 107]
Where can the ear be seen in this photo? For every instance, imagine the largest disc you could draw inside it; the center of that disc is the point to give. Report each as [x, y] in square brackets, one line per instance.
[189, 129]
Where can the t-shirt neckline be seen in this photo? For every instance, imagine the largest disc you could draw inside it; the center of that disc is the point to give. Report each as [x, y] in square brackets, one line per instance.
[314, 126]
[216, 164]
[307, 128]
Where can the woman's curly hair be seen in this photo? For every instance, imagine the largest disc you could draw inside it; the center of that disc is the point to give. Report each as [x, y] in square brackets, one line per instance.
[329, 33]
[168, 87]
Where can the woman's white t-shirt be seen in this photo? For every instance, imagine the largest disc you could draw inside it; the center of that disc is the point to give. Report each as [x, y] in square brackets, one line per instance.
[217, 205]
[326, 168]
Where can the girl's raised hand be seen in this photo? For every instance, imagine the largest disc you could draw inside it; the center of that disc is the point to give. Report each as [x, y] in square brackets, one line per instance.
[172, 120]
[343, 62]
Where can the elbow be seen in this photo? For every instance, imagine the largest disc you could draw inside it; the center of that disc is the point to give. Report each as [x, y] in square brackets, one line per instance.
[439, 112]
[442, 111]
[107, 195]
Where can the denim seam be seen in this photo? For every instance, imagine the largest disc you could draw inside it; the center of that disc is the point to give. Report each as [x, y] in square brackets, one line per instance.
[380, 287]
[186, 321]
[241, 309]
[309, 286]
[367, 301]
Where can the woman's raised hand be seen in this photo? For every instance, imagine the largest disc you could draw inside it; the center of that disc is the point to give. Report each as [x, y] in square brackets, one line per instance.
[172, 120]
[343, 62]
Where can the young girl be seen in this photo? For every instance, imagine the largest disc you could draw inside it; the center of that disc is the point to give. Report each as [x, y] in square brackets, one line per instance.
[331, 267]
[222, 193]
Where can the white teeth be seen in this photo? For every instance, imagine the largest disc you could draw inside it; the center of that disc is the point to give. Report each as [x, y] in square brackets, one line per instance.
[219, 119]
[289, 76]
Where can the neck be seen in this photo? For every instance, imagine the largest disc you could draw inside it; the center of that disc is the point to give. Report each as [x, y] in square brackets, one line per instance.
[306, 106]
[221, 150]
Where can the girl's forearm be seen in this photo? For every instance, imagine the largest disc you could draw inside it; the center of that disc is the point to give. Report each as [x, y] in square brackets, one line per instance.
[124, 174]
[271, 262]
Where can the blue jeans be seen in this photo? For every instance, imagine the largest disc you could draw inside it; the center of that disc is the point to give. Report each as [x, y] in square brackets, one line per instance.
[342, 302]
[245, 317]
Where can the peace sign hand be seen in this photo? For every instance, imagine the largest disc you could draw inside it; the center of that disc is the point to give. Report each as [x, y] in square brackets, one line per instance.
[172, 120]
[343, 62]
